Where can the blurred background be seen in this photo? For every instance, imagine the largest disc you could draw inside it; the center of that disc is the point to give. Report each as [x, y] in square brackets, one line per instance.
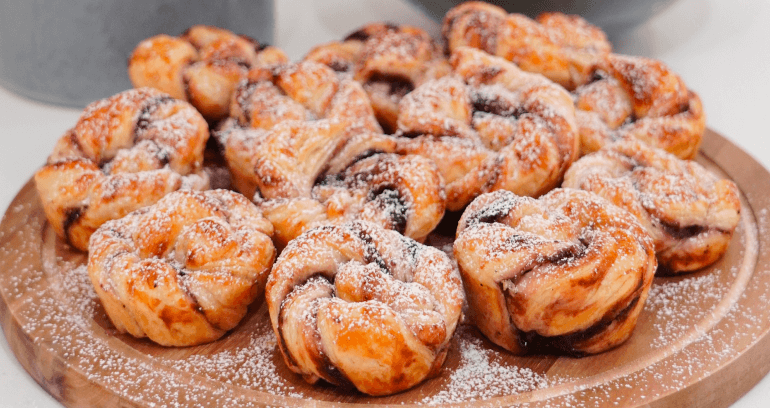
[613, 16]
[71, 52]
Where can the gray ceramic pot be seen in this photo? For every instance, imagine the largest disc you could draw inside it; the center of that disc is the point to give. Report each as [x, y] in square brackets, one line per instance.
[72, 52]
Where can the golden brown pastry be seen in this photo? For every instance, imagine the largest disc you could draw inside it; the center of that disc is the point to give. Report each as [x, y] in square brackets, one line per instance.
[327, 120]
[615, 95]
[306, 91]
[202, 66]
[564, 48]
[125, 152]
[641, 98]
[690, 213]
[294, 135]
[388, 60]
[490, 126]
[568, 272]
[400, 193]
[362, 306]
[183, 271]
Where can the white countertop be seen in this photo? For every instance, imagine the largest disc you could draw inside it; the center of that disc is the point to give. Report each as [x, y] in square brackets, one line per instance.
[720, 47]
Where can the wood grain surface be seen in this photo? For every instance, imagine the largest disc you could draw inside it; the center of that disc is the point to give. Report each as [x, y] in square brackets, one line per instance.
[702, 339]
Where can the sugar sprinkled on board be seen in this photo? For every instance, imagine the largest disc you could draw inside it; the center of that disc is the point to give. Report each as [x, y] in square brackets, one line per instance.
[672, 302]
[50, 319]
[249, 366]
[479, 376]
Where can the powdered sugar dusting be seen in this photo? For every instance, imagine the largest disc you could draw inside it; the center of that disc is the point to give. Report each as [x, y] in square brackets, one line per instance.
[65, 317]
[481, 376]
[252, 366]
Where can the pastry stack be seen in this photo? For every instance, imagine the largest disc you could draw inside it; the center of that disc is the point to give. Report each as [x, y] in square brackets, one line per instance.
[570, 165]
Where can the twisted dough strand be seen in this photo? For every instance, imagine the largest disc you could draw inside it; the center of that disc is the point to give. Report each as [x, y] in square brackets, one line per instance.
[641, 98]
[565, 49]
[400, 193]
[689, 212]
[125, 152]
[355, 304]
[202, 66]
[568, 272]
[388, 60]
[307, 143]
[183, 271]
[490, 127]
[302, 116]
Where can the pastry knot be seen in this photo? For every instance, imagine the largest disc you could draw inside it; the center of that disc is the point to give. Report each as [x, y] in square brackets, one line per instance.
[690, 213]
[363, 306]
[490, 126]
[183, 271]
[125, 152]
[202, 66]
[568, 272]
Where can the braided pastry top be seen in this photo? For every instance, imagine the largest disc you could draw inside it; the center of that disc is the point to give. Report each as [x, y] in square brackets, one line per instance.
[615, 95]
[183, 271]
[641, 98]
[125, 152]
[304, 115]
[689, 212]
[388, 60]
[306, 125]
[563, 48]
[306, 91]
[202, 66]
[359, 305]
[568, 272]
[491, 126]
[401, 193]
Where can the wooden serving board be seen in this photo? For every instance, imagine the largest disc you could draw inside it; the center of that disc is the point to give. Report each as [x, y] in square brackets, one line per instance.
[702, 339]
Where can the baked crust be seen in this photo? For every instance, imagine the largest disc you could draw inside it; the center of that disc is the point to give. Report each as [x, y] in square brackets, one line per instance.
[388, 60]
[566, 273]
[363, 306]
[490, 126]
[183, 271]
[125, 152]
[202, 66]
[689, 212]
